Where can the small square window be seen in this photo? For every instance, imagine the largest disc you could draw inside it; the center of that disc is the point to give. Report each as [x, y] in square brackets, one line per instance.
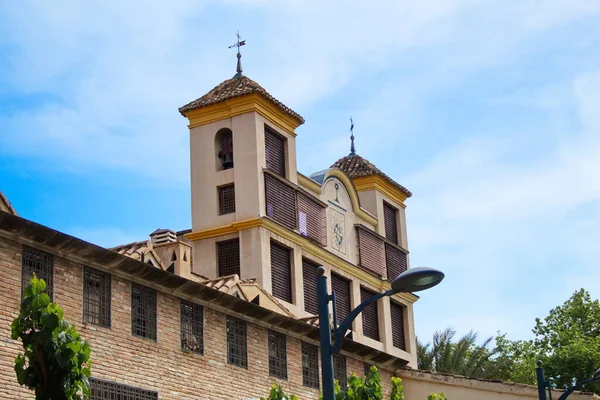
[228, 257]
[192, 327]
[96, 297]
[277, 355]
[226, 199]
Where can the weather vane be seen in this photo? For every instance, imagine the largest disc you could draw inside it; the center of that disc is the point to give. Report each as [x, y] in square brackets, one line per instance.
[238, 44]
[352, 151]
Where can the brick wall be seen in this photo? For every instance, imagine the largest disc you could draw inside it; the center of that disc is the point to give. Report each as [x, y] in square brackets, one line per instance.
[120, 357]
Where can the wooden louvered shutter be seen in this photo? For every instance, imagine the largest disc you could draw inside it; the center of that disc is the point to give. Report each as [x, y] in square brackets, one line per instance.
[228, 257]
[370, 316]
[312, 221]
[397, 317]
[395, 260]
[390, 215]
[371, 251]
[309, 276]
[341, 288]
[281, 272]
[281, 201]
[275, 152]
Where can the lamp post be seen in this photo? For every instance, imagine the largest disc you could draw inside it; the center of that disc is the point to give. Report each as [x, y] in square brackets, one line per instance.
[413, 280]
[544, 385]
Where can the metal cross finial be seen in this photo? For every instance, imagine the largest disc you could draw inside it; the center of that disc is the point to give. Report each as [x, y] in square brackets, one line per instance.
[238, 44]
[352, 150]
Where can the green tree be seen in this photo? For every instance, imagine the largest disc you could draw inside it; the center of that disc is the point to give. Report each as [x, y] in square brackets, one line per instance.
[55, 360]
[568, 340]
[513, 361]
[461, 357]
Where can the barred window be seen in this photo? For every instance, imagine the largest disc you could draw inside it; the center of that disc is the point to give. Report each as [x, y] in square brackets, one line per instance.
[277, 355]
[237, 342]
[397, 317]
[39, 263]
[104, 390]
[143, 311]
[310, 365]
[339, 370]
[226, 199]
[370, 316]
[274, 152]
[228, 257]
[96, 297]
[367, 369]
[281, 272]
[192, 327]
[390, 215]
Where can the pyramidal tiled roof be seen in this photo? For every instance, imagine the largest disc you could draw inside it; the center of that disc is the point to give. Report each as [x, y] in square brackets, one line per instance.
[355, 167]
[237, 87]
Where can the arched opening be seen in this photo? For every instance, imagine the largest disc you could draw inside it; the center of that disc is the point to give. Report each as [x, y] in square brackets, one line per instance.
[174, 257]
[224, 149]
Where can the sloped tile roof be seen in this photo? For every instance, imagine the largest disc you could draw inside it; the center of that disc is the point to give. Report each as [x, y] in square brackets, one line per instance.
[236, 87]
[355, 167]
[134, 249]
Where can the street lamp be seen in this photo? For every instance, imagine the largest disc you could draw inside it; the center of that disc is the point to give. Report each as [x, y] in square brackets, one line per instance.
[543, 384]
[413, 280]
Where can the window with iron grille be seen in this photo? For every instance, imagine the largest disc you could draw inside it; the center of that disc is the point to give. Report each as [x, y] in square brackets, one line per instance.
[310, 365]
[143, 311]
[281, 272]
[39, 263]
[390, 220]
[237, 342]
[277, 355]
[226, 199]
[192, 327]
[397, 319]
[96, 297]
[341, 287]
[312, 221]
[228, 257]
[309, 278]
[395, 260]
[274, 152]
[370, 316]
[371, 251]
[104, 390]
[367, 369]
[339, 370]
[280, 201]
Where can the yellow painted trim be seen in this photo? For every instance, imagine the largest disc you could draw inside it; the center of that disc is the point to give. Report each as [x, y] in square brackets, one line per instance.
[364, 215]
[309, 184]
[241, 105]
[376, 182]
[224, 230]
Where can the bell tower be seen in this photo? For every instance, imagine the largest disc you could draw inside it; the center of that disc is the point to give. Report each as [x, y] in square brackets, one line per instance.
[231, 130]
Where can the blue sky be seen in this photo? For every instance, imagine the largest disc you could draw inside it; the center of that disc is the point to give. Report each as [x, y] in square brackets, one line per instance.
[487, 110]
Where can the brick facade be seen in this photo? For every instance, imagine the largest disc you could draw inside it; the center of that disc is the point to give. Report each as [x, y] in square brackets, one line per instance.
[162, 366]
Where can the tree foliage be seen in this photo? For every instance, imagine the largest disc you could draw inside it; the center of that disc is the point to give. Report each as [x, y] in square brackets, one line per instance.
[55, 360]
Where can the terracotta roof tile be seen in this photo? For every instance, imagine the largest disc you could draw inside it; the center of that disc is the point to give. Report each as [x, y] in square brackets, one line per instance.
[236, 87]
[355, 167]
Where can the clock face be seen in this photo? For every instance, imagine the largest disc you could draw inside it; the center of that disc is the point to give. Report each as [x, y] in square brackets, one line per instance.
[338, 223]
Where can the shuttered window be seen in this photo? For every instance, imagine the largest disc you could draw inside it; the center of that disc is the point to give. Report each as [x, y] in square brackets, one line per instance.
[143, 311]
[226, 199]
[371, 251]
[339, 370]
[395, 260]
[370, 317]
[312, 221]
[192, 327]
[281, 272]
[281, 201]
[341, 288]
[96, 297]
[277, 355]
[309, 277]
[39, 263]
[390, 220]
[104, 390]
[237, 342]
[228, 257]
[397, 320]
[310, 365]
[274, 152]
